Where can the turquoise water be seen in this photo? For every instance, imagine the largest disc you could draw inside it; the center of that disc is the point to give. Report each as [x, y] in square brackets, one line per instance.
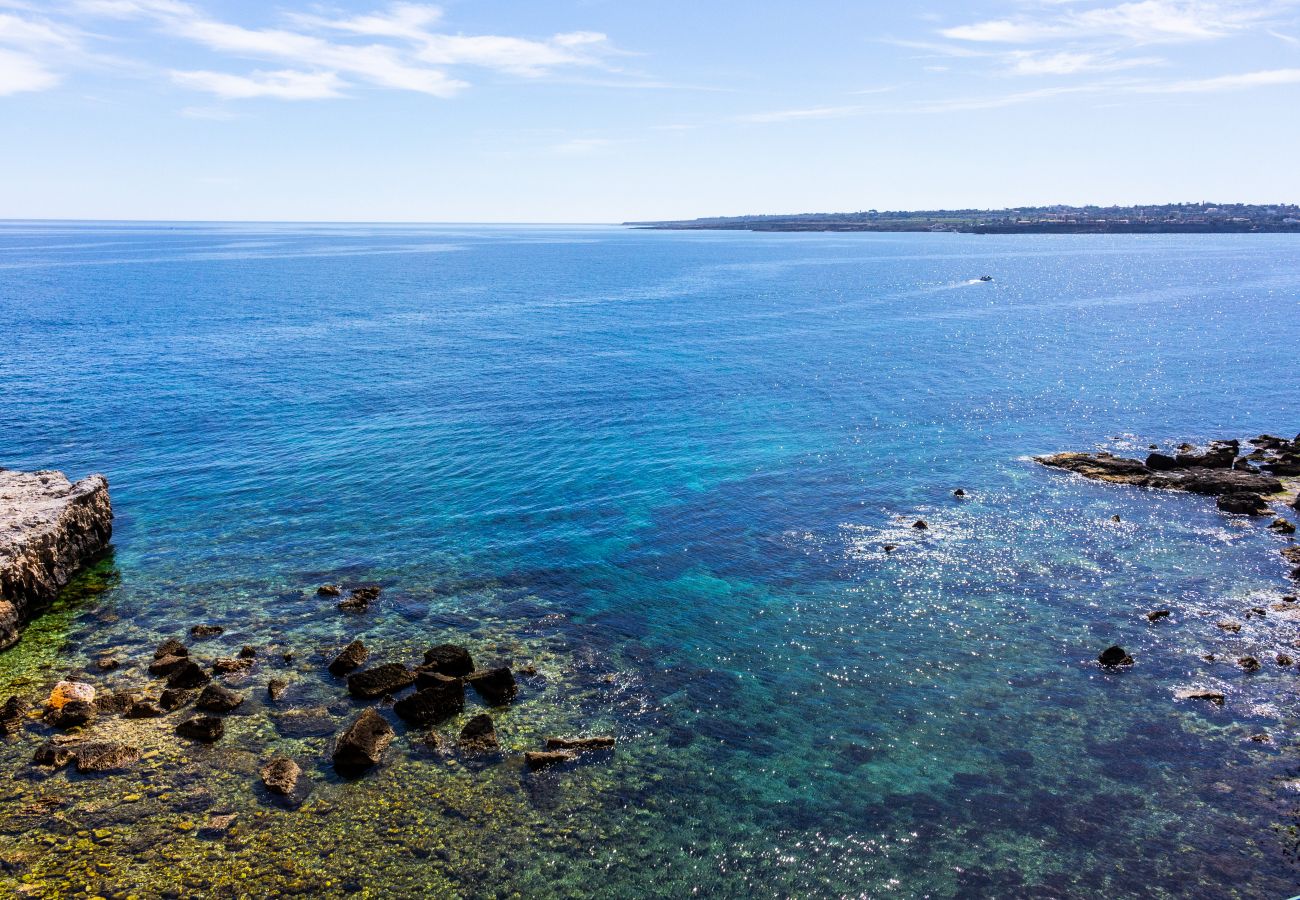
[660, 467]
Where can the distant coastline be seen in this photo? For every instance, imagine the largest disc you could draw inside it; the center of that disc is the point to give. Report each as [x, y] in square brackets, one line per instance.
[1174, 218]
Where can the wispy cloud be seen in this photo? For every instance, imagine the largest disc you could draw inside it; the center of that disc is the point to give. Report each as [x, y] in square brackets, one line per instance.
[795, 115]
[30, 46]
[584, 146]
[20, 72]
[1265, 78]
[283, 85]
[1141, 22]
[1067, 62]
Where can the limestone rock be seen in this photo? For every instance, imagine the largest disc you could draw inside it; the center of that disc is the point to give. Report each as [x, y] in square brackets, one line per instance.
[280, 775]
[49, 528]
[363, 743]
[479, 736]
[448, 659]
[386, 679]
[202, 728]
[441, 699]
[495, 686]
[216, 698]
[350, 659]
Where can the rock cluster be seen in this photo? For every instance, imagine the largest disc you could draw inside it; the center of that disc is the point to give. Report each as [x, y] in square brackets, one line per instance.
[49, 528]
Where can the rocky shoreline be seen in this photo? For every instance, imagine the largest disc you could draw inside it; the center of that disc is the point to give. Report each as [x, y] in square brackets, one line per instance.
[1261, 482]
[49, 528]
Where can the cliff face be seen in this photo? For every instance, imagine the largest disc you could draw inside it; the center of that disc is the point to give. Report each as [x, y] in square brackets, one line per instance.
[49, 527]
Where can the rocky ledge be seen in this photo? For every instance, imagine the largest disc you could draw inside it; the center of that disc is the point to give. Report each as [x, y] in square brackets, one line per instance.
[49, 527]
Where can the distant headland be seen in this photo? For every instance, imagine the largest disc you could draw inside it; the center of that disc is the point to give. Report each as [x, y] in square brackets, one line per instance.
[1172, 218]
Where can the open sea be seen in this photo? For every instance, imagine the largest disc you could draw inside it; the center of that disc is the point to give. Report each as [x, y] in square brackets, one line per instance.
[655, 473]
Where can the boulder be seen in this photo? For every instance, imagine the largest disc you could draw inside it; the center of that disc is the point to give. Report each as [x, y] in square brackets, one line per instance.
[1214, 458]
[495, 686]
[386, 679]
[920, 525]
[248, 651]
[1157, 614]
[1242, 503]
[479, 736]
[542, 759]
[105, 756]
[72, 714]
[188, 675]
[216, 698]
[1243, 465]
[312, 721]
[1114, 656]
[170, 647]
[360, 599]
[69, 692]
[581, 744]
[226, 665]
[108, 663]
[350, 659]
[275, 688]
[202, 728]
[1161, 462]
[329, 590]
[145, 709]
[440, 699]
[54, 755]
[13, 716]
[1233, 627]
[448, 659]
[1249, 663]
[198, 632]
[363, 743]
[164, 666]
[174, 698]
[108, 703]
[49, 528]
[280, 776]
[1282, 526]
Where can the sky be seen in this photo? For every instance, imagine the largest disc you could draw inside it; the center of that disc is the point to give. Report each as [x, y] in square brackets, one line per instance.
[614, 110]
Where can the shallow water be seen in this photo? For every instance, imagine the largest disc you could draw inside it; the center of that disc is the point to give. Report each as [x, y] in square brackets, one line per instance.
[660, 467]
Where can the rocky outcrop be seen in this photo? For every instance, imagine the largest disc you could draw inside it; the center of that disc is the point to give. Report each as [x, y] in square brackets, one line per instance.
[362, 745]
[1197, 480]
[49, 528]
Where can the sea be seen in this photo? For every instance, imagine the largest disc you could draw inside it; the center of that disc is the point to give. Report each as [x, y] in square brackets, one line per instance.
[671, 479]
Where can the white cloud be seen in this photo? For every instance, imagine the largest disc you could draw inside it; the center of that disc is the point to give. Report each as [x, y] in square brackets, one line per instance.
[584, 146]
[20, 72]
[1066, 62]
[1142, 22]
[282, 85]
[795, 115]
[1266, 78]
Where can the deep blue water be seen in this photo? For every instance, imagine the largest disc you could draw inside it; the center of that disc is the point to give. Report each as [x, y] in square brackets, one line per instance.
[661, 466]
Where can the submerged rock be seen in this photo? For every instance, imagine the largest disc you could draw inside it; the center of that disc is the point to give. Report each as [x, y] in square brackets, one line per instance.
[105, 756]
[496, 686]
[363, 743]
[216, 698]
[229, 666]
[145, 709]
[542, 759]
[1233, 627]
[1249, 663]
[350, 659]
[440, 698]
[448, 659]
[198, 632]
[174, 698]
[275, 688]
[1157, 614]
[164, 666]
[280, 776]
[360, 599]
[49, 528]
[582, 744]
[53, 755]
[479, 736]
[1215, 697]
[329, 590]
[386, 679]
[202, 728]
[1114, 656]
[920, 525]
[217, 825]
[13, 715]
[170, 647]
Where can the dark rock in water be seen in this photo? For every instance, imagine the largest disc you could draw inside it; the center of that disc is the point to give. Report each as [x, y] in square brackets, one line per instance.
[216, 698]
[1157, 614]
[54, 755]
[145, 709]
[1249, 663]
[350, 659]
[206, 631]
[170, 647]
[1199, 480]
[188, 675]
[362, 745]
[920, 525]
[1216, 458]
[49, 528]
[276, 687]
[479, 736]
[72, 714]
[166, 665]
[360, 599]
[108, 663]
[1115, 518]
[386, 679]
[1243, 465]
[448, 659]
[13, 715]
[1282, 526]
[247, 651]
[1291, 554]
[280, 775]
[175, 698]
[582, 744]
[542, 759]
[890, 548]
[109, 703]
[441, 698]
[959, 493]
[202, 728]
[1114, 656]
[1242, 503]
[1233, 627]
[228, 666]
[1229, 482]
[495, 686]
[329, 590]
[1283, 660]
[105, 756]
[1160, 462]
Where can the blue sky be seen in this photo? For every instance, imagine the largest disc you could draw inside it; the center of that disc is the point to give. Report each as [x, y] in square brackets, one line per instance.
[606, 110]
